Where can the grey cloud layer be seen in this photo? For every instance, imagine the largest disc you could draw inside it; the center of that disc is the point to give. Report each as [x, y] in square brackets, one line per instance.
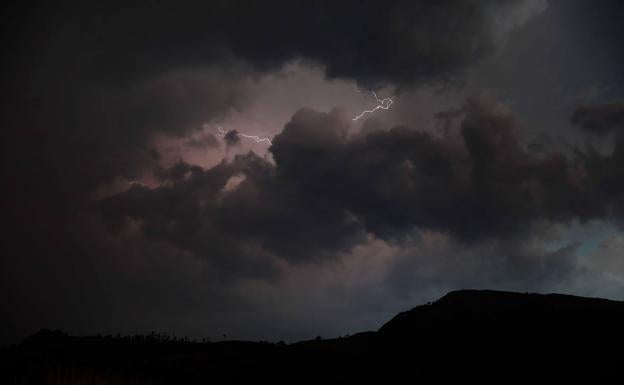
[327, 191]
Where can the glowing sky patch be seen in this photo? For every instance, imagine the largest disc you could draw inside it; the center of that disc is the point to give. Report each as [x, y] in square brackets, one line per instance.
[221, 133]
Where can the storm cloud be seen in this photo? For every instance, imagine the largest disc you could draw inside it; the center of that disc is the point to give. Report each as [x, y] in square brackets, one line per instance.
[104, 79]
[469, 180]
[478, 185]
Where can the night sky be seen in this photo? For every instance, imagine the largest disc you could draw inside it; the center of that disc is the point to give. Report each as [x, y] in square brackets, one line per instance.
[195, 167]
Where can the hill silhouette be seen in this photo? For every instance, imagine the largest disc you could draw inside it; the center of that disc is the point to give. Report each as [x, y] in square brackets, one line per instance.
[487, 336]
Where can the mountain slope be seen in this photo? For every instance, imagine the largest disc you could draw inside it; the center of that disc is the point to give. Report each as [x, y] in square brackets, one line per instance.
[488, 336]
[495, 316]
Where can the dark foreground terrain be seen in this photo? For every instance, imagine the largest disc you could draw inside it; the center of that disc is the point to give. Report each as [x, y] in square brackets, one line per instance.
[488, 336]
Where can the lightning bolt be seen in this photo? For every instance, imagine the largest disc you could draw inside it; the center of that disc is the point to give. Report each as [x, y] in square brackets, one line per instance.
[136, 183]
[257, 139]
[383, 104]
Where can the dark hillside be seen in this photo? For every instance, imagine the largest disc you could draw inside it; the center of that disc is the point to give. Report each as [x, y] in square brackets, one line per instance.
[466, 335]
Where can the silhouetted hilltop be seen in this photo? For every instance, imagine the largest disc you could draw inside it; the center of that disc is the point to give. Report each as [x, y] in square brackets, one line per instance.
[498, 316]
[488, 336]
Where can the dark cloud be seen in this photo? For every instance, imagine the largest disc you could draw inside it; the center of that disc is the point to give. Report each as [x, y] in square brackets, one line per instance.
[327, 190]
[76, 135]
[479, 184]
[399, 41]
[95, 82]
[600, 119]
[605, 170]
[231, 138]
